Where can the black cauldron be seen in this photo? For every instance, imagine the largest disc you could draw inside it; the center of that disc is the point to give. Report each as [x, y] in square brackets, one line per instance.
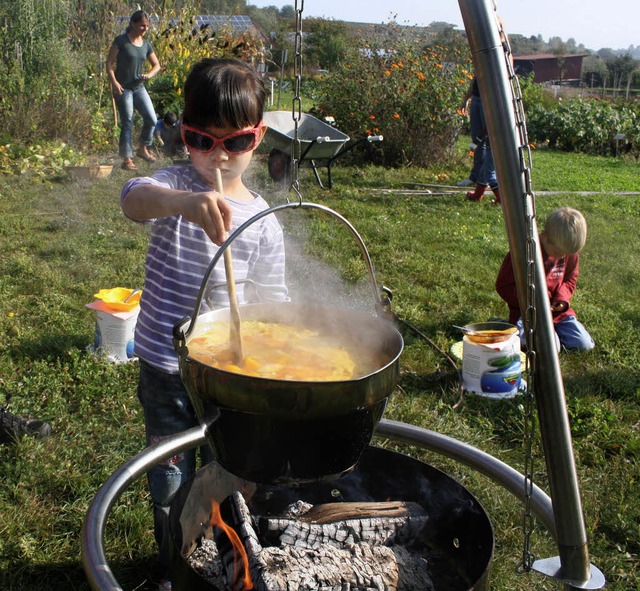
[293, 432]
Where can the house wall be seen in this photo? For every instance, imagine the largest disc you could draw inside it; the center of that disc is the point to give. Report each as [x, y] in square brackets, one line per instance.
[547, 68]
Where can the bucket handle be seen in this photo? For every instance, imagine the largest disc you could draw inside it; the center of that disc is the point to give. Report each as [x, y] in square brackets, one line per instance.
[382, 299]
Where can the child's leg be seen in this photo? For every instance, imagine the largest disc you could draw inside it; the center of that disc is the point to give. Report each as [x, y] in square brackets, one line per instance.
[167, 411]
[523, 342]
[573, 335]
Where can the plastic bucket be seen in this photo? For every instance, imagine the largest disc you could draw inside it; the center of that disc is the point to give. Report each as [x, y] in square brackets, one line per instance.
[492, 369]
[114, 332]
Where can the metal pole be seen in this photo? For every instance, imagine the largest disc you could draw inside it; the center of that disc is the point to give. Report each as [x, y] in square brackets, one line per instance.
[481, 25]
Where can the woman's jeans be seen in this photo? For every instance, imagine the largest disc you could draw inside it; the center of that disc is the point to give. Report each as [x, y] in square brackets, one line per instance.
[167, 411]
[139, 100]
[483, 171]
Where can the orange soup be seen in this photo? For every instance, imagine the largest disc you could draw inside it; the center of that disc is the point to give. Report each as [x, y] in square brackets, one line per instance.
[282, 352]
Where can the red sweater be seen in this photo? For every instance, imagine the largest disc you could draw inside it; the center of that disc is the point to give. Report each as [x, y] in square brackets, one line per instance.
[561, 274]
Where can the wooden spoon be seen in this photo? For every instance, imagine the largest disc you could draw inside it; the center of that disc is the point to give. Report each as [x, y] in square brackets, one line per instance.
[235, 335]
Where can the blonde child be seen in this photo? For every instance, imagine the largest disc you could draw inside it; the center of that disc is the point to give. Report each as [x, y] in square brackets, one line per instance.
[563, 237]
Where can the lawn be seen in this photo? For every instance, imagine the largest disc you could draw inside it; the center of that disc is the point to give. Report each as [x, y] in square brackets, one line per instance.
[65, 239]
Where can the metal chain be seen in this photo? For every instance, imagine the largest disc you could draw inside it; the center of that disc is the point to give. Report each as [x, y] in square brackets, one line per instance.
[296, 107]
[528, 521]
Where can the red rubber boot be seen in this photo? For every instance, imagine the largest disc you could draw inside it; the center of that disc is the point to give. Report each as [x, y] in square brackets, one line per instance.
[478, 194]
[497, 200]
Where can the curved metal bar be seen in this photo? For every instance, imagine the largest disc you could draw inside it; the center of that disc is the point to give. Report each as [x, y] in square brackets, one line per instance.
[498, 471]
[95, 564]
[94, 561]
[227, 243]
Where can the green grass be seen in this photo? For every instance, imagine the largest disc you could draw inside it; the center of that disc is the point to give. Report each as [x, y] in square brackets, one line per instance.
[63, 240]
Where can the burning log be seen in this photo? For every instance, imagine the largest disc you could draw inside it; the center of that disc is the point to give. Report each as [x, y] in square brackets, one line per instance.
[339, 524]
[206, 561]
[356, 567]
[333, 547]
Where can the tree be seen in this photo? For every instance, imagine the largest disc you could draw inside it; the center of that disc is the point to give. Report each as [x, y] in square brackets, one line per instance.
[621, 69]
[326, 43]
[594, 71]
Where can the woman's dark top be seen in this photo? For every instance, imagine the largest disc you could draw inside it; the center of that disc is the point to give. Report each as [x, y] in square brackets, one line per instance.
[130, 61]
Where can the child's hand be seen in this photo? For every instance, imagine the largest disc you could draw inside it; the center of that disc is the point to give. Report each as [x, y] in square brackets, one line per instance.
[211, 212]
[558, 307]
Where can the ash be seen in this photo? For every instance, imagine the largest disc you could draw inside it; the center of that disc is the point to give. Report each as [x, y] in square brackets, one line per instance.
[206, 561]
[380, 552]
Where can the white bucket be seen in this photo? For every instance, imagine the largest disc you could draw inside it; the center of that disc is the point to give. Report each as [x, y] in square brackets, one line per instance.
[114, 332]
[492, 370]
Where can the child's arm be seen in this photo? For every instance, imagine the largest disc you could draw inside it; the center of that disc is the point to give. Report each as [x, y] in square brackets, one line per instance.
[561, 299]
[506, 283]
[207, 209]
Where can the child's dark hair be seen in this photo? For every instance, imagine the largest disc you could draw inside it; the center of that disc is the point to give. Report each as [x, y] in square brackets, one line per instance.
[223, 92]
[170, 118]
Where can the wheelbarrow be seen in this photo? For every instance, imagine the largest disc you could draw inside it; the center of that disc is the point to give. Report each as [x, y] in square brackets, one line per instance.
[320, 144]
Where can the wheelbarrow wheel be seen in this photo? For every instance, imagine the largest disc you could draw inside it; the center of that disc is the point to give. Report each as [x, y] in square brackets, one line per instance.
[279, 165]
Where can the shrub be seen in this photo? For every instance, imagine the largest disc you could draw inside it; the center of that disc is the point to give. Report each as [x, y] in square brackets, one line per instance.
[180, 43]
[392, 86]
[582, 124]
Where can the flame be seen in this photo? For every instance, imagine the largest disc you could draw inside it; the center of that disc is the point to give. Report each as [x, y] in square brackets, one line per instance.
[241, 575]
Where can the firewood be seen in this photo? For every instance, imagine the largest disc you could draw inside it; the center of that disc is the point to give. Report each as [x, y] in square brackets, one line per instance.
[348, 523]
[329, 512]
[358, 567]
[353, 554]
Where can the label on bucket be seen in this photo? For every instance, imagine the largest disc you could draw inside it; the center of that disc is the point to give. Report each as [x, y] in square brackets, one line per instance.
[492, 370]
[114, 332]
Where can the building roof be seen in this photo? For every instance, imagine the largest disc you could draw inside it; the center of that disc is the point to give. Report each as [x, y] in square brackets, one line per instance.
[239, 23]
[547, 56]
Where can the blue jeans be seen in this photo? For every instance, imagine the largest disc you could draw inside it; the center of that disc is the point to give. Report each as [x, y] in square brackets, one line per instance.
[167, 411]
[140, 100]
[569, 334]
[484, 170]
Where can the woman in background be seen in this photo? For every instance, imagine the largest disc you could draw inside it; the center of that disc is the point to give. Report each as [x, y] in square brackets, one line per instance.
[125, 62]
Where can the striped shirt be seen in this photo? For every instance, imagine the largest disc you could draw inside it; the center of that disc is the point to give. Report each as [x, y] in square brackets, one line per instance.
[179, 255]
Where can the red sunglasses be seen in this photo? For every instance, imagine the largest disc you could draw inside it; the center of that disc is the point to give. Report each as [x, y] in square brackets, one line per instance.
[237, 142]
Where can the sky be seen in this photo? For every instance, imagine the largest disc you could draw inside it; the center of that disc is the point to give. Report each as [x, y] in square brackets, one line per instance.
[594, 23]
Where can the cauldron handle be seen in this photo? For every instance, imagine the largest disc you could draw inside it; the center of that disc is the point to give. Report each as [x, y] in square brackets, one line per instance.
[382, 299]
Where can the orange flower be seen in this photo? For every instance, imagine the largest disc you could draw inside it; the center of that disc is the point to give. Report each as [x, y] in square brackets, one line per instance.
[420, 75]
[396, 115]
[372, 117]
[387, 73]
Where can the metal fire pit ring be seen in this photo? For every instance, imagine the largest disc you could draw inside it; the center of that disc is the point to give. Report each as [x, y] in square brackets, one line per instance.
[456, 545]
[100, 575]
